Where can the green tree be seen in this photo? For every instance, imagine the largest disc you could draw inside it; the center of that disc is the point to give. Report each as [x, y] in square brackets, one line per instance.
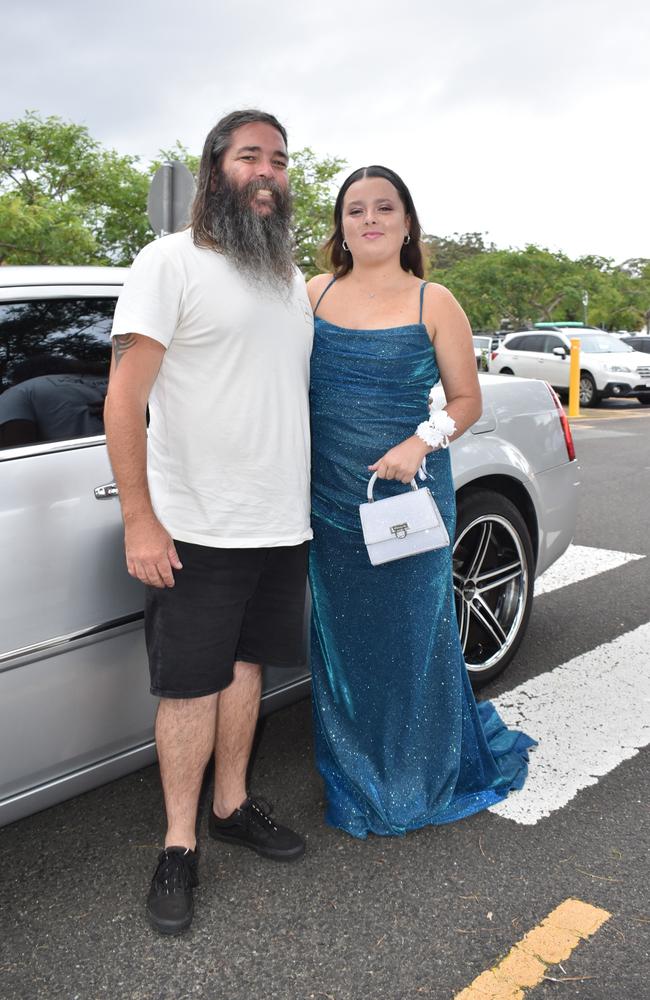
[521, 287]
[313, 205]
[176, 152]
[66, 200]
[619, 295]
[514, 286]
[442, 252]
[643, 299]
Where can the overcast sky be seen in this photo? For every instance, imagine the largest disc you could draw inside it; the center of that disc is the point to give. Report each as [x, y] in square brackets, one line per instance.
[526, 120]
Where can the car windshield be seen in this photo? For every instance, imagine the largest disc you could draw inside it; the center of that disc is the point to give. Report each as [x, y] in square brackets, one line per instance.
[601, 343]
[482, 341]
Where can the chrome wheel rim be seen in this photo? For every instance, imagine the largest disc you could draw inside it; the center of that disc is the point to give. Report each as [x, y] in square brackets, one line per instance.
[491, 582]
[586, 391]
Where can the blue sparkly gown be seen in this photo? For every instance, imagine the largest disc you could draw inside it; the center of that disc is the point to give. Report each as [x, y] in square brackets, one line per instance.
[400, 741]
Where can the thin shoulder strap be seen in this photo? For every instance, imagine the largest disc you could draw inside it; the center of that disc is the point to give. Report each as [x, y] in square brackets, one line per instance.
[422, 287]
[324, 292]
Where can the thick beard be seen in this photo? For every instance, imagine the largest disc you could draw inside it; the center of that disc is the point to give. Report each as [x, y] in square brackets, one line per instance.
[259, 245]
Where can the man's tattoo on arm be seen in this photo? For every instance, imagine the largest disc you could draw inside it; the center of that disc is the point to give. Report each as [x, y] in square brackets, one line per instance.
[121, 344]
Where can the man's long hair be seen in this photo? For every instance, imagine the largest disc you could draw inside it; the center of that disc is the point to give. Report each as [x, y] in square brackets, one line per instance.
[222, 218]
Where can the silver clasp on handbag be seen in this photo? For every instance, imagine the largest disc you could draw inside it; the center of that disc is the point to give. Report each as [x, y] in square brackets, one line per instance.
[400, 530]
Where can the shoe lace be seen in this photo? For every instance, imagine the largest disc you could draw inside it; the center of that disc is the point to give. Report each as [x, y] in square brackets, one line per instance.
[260, 812]
[172, 874]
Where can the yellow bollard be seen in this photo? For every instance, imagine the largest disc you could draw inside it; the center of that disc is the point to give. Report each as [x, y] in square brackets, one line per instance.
[574, 378]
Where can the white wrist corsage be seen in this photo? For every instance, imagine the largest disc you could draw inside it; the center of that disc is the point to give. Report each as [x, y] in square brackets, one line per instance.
[437, 430]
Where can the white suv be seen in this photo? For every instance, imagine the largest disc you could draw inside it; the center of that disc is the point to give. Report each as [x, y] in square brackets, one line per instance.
[608, 367]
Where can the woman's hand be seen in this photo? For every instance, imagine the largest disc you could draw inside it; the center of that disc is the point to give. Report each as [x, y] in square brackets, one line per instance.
[403, 461]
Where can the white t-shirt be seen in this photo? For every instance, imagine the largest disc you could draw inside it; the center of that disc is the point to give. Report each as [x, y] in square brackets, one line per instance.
[228, 456]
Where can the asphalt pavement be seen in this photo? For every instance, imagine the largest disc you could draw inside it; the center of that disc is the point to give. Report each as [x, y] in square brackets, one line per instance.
[384, 919]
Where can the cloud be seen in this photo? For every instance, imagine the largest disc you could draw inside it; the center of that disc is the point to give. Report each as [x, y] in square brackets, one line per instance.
[522, 118]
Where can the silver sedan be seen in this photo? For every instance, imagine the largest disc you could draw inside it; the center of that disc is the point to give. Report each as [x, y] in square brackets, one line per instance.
[75, 709]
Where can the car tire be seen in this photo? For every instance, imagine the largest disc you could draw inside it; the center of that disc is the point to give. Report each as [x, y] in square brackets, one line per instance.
[589, 395]
[506, 371]
[493, 571]
[644, 398]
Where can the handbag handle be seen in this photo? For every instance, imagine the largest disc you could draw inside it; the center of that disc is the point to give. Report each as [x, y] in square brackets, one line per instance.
[373, 478]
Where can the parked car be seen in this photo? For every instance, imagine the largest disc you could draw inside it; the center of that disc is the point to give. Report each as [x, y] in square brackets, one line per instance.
[608, 367]
[637, 343]
[75, 709]
[483, 345]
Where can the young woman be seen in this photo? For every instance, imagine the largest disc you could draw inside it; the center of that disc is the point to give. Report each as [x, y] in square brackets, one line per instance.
[400, 742]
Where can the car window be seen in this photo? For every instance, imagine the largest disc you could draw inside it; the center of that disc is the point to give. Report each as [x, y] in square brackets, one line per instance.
[533, 343]
[550, 343]
[54, 360]
[514, 344]
[601, 343]
[641, 344]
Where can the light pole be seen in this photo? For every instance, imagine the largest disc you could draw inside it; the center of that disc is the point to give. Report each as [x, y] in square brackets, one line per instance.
[585, 306]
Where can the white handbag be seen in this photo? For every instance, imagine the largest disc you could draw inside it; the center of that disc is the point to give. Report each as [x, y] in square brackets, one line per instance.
[401, 525]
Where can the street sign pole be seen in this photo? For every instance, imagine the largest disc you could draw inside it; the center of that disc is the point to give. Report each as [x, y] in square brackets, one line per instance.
[170, 198]
[167, 198]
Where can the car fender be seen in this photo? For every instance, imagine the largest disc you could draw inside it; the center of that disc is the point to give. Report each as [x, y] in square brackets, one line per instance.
[547, 500]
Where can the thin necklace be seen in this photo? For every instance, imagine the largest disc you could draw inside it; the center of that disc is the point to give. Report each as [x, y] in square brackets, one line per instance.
[370, 295]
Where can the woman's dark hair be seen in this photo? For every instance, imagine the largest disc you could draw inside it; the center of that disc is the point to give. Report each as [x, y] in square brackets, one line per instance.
[217, 142]
[411, 254]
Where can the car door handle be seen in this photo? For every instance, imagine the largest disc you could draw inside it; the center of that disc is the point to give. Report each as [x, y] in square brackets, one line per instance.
[106, 492]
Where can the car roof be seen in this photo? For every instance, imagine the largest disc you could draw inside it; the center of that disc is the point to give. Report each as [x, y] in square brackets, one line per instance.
[576, 331]
[570, 331]
[25, 276]
[522, 333]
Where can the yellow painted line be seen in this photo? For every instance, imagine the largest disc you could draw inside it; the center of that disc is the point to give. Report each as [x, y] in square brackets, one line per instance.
[585, 421]
[550, 942]
[588, 416]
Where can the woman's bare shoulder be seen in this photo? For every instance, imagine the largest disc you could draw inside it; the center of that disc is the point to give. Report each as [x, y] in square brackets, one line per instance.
[442, 312]
[316, 286]
[438, 298]
[437, 293]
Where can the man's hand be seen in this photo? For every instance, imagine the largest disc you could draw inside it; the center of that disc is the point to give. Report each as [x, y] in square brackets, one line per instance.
[150, 552]
[403, 461]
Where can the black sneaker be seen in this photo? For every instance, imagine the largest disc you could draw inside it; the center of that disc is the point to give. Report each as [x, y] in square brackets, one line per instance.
[251, 826]
[169, 904]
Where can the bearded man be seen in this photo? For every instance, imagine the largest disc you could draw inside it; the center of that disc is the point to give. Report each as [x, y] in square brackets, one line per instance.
[213, 331]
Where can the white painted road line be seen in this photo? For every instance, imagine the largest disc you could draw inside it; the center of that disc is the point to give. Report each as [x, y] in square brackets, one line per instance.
[589, 715]
[579, 562]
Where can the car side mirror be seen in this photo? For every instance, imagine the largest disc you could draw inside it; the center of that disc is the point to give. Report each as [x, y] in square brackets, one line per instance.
[560, 352]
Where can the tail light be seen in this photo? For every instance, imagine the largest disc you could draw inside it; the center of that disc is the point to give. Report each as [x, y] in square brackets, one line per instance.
[564, 420]
[493, 355]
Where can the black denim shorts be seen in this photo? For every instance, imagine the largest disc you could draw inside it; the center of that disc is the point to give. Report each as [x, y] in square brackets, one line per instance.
[225, 605]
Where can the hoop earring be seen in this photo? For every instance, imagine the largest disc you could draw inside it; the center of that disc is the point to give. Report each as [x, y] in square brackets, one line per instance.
[407, 239]
[345, 247]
